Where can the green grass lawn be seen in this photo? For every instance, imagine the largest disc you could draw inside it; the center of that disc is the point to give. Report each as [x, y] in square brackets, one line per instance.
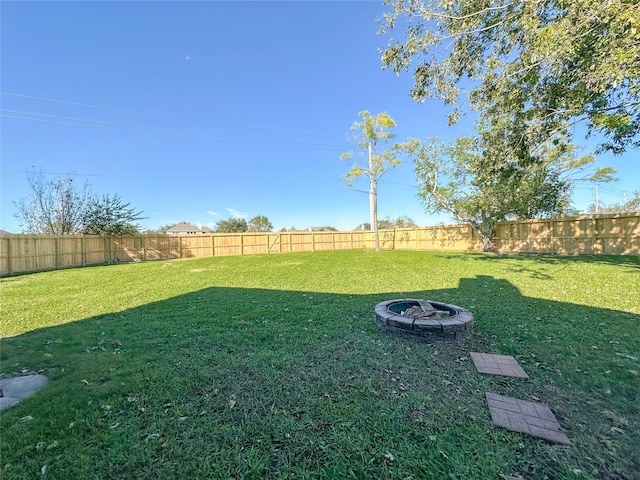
[271, 367]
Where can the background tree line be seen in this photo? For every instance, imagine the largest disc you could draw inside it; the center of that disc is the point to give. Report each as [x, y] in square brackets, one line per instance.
[259, 223]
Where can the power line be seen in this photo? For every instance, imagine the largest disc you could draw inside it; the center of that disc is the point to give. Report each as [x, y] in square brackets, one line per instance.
[190, 178]
[608, 189]
[131, 128]
[157, 115]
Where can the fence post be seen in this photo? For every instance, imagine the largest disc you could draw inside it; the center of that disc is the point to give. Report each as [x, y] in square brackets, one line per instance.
[57, 250]
[144, 249]
[9, 260]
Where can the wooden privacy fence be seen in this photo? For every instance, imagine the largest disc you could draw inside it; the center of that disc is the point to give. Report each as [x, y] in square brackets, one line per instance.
[597, 234]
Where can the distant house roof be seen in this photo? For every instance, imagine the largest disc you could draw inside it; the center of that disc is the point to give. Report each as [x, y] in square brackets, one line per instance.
[184, 228]
[4, 233]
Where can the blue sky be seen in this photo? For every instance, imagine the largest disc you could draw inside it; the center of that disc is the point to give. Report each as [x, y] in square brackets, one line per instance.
[200, 111]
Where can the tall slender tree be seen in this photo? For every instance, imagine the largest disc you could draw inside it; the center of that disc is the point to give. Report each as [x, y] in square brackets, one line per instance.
[373, 132]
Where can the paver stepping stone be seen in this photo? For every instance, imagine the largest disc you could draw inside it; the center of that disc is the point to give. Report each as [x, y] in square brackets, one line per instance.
[15, 389]
[492, 364]
[526, 417]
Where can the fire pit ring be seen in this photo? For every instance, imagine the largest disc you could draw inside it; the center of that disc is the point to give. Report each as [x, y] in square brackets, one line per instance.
[424, 320]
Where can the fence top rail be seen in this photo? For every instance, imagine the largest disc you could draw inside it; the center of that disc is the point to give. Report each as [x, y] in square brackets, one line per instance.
[602, 216]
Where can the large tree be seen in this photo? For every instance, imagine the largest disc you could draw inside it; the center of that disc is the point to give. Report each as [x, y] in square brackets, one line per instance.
[259, 223]
[232, 225]
[110, 216]
[460, 178]
[545, 64]
[61, 207]
[54, 207]
[373, 132]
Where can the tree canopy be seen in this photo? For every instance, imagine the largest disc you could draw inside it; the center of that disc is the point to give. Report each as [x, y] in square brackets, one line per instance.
[544, 64]
[259, 223]
[54, 207]
[232, 225]
[111, 216]
[61, 207]
[460, 178]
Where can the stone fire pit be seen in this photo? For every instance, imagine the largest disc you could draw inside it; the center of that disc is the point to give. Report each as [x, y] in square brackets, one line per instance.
[424, 320]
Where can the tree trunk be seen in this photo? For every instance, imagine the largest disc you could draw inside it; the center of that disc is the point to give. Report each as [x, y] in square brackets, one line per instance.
[487, 244]
[486, 233]
[373, 202]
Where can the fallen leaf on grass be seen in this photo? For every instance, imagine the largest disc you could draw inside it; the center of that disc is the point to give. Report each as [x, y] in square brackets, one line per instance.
[232, 401]
[152, 436]
[389, 456]
[627, 356]
[53, 445]
[28, 418]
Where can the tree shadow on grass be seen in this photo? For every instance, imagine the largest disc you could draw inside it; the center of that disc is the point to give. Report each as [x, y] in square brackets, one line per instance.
[632, 261]
[252, 383]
